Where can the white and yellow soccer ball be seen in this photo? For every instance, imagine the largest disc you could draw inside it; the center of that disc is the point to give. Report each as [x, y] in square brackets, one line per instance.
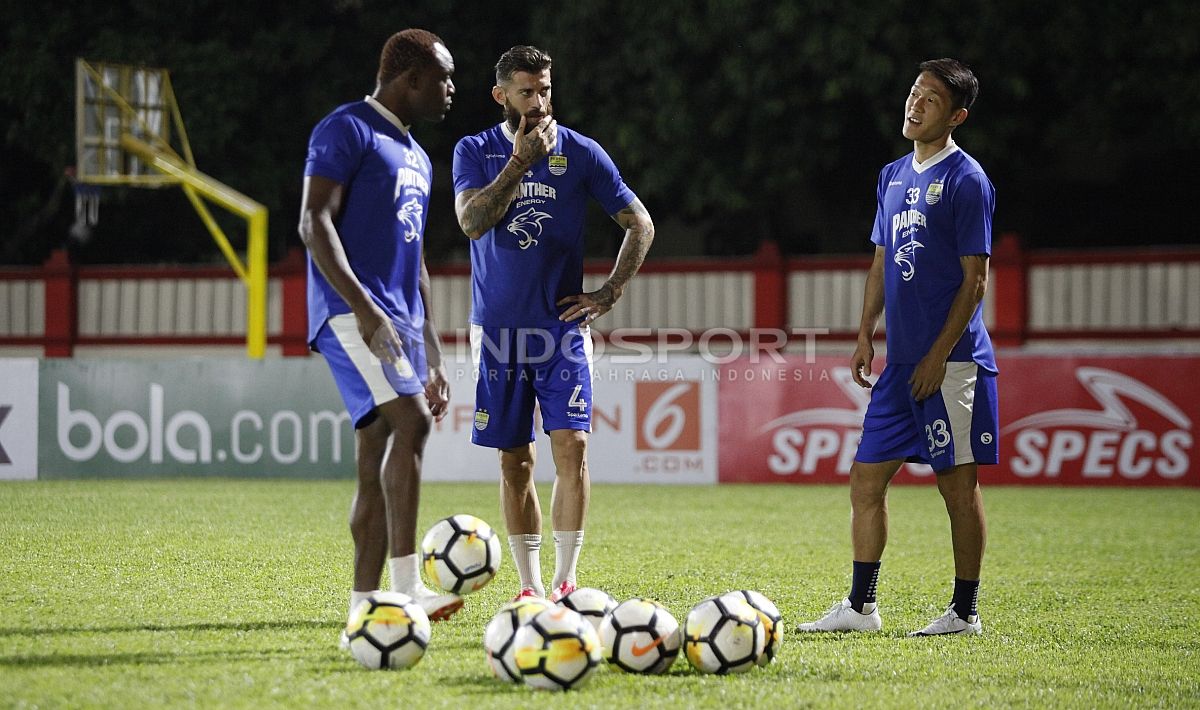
[388, 630]
[769, 615]
[498, 635]
[556, 650]
[592, 604]
[461, 554]
[723, 635]
[640, 636]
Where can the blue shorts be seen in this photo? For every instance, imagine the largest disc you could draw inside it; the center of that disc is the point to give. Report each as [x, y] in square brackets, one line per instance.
[518, 367]
[956, 425]
[364, 381]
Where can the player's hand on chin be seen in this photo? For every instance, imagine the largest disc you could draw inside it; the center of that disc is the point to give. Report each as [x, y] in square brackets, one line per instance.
[538, 142]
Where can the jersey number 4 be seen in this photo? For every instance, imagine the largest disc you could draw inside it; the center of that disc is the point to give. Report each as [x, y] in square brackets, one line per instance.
[576, 401]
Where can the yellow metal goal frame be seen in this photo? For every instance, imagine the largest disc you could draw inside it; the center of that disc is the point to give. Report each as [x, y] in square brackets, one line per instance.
[118, 139]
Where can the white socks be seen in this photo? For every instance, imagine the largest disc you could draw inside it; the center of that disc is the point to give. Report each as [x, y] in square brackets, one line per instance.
[406, 574]
[356, 597]
[526, 552]
[566, 555]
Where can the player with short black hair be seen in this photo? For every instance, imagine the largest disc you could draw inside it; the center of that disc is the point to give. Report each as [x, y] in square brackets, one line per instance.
[365, 202]
[935, 401]
[521, 196]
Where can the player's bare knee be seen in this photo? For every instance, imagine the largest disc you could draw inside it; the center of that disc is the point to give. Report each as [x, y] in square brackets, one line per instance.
[408, 421]
[516, 466]
[868, 489]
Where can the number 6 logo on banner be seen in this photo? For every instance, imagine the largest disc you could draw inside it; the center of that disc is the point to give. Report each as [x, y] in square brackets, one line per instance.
[668, 416]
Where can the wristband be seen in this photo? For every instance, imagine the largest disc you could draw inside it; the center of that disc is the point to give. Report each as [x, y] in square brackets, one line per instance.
[521, 163]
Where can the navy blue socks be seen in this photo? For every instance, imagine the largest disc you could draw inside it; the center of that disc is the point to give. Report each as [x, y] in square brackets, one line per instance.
[966, 597]
[862, 588]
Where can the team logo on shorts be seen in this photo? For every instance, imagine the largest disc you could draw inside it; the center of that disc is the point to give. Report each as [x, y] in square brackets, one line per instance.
[558, 164]
[933, 194]
[481, 419]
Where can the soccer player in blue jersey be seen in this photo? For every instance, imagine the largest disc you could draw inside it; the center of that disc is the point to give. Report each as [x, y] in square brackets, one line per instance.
[521, 194]
[935, 401]
[365, 201]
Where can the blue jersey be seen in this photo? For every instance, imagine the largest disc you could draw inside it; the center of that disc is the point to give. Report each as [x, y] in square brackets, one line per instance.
[533, 256]
[387, 175]
[928, 216]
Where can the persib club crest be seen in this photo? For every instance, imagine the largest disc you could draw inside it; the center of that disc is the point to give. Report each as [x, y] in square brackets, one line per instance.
[558, 164]
[933, 194]
[528, 225]
[481, 419]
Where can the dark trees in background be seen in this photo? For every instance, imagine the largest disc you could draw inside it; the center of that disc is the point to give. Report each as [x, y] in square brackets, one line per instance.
[734, 121]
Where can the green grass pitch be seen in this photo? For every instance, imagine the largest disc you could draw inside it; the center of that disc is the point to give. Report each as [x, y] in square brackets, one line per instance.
[230, 593]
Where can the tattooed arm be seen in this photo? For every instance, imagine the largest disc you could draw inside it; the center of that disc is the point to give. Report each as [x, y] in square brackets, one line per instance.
[639, 233]
[480, 210]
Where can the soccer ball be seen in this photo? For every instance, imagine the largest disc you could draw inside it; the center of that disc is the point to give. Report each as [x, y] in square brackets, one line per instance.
[499, 633]
[461, 553]
[723, 635]
[640, 636]
[591, 604]
[388, 630]
[556, 650]
[769, 615]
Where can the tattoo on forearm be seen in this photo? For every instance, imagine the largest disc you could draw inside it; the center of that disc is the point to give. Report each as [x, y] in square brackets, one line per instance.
[487, 207]
[639, 233]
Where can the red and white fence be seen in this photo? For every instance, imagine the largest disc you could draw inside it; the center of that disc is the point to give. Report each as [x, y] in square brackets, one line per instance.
[1034, 295]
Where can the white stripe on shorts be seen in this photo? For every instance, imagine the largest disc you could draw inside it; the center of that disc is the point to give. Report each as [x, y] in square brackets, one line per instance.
[586, 332]
[958, 393]
[345, 329]
[476, 344]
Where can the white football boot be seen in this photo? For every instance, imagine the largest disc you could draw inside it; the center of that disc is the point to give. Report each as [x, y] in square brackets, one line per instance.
[842, 617]
[438, 607]
[950, 623]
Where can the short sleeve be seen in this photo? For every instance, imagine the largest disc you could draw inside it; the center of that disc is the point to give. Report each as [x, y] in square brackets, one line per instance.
[604, 182]
[974, 200]
[878, 231]
[336, 148]
[468, 166]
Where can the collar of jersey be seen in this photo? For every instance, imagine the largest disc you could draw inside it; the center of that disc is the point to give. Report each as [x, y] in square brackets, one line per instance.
[388, 115]
[936, 158]
[508, 132]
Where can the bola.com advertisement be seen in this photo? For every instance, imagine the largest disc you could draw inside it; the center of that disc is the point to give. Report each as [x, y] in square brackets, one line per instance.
[62, 419]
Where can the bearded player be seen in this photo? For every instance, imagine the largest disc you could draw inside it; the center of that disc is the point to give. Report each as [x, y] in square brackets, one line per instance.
[521, 196]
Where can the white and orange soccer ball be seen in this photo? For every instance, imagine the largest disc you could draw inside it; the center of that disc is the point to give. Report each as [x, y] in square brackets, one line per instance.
[723, 635]
[590, 603]
[498, 635]
[461, 554]
[556, 650]
[640, 636]
[769, 615]
[388, 630]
